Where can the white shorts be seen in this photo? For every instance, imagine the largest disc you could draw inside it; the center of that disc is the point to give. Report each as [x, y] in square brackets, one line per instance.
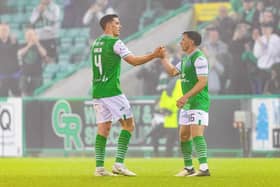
[112, 108]
[193, 117]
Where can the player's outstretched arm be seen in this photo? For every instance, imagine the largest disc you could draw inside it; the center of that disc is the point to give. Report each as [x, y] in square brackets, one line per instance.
[139, 60]
[169, 68]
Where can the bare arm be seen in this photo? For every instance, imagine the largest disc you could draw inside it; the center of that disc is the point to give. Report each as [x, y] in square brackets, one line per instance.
[41, 49]
[23, 50]
[169, 68]
[139, 60]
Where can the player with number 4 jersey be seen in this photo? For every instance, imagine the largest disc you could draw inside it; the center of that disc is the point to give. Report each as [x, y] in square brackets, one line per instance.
[110, 104]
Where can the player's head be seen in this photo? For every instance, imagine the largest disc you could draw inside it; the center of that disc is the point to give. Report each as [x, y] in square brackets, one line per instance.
[111, 24]
[190, 39]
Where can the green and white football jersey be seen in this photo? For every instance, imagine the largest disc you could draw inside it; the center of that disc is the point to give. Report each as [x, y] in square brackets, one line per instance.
[190, 68]
[106, 54]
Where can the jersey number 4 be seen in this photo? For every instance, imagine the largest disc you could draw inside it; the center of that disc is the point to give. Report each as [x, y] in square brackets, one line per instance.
[97, 62]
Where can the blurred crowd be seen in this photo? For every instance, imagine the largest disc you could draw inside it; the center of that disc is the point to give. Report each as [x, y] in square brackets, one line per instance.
[243, 49]
[41, 40]
[22, 62]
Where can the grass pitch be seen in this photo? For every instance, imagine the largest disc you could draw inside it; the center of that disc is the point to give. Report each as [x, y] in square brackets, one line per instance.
[67, 172]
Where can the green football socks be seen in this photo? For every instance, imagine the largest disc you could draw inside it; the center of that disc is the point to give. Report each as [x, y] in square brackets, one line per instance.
[201, 149]
[122, 145]
[100, 145]
[186, 148]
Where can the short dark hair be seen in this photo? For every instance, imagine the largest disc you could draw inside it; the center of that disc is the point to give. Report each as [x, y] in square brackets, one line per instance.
[106, 19]
[194, 36]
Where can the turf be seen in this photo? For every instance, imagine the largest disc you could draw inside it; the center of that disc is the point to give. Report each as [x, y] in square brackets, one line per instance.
[52, 172]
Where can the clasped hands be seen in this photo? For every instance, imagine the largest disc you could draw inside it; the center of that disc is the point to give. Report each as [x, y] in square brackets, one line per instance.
[160, 52]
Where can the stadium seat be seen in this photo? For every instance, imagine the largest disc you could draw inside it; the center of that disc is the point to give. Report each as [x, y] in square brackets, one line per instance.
[65, 44]
[7, 18]
[63, 57]
[78, 53]
[49, 72]
[80, 40]
[12, 3]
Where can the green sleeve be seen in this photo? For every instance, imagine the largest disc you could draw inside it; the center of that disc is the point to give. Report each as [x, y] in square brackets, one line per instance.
[248, 55]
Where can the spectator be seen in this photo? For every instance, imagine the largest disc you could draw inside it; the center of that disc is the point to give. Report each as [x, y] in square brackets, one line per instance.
[248, 13]
[239, 80]
[45, 18]
[260, 12]
[9, 69]
[225, 25]
[236, 5]
[150, 78]
[31, 57]
[274, 5]
[272, 86]
[267, 51]
[154, 9]
[131, 22]
[73, 13]
[93, 15]
[217, 52]
[268, 17]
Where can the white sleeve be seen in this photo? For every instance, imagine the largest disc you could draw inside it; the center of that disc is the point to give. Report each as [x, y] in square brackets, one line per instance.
[201, 66]
[87, 17]
[52, 14]
[258, 50]
[34, 16]
[178, 66]
[121, 49]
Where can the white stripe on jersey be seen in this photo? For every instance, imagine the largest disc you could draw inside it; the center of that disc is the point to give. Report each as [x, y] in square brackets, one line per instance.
[201, 66]
[121, 49]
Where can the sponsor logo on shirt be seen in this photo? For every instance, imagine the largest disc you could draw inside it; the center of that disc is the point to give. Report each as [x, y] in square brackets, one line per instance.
[97, 50]
[102, 79]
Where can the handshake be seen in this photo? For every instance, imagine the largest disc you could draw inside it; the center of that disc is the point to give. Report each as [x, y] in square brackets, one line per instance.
[160, 52]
